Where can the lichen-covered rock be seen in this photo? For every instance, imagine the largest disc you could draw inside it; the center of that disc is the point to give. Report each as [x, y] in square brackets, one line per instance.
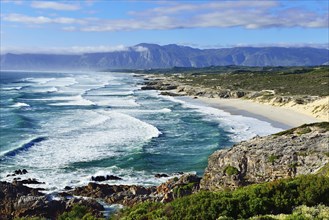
[302, 150]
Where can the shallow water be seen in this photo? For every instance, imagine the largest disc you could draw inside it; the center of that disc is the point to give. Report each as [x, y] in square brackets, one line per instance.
[65, 127]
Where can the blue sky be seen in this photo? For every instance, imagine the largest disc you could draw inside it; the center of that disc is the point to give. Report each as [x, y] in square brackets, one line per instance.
[90, 25]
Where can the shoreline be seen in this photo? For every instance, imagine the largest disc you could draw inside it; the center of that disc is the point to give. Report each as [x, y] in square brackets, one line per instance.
[283, 112]
[277, 116]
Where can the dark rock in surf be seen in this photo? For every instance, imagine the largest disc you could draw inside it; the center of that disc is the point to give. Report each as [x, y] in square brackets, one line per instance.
[18, 172]
[160, 175]
[104, 178]
[68, 188]
[98, 178]
[112, 177]
[31, 181]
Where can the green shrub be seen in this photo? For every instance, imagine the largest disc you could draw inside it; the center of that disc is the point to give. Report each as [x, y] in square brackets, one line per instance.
[183, 189]
[304, 131]
[319, 212]
[30, 218]
[231, 170]
[272, 158]
[275, 197]
[78, 212]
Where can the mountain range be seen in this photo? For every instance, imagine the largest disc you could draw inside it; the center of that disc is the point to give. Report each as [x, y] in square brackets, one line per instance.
[146, 56]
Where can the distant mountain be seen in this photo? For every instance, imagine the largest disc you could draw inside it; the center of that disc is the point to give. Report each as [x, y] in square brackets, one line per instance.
[145, 56]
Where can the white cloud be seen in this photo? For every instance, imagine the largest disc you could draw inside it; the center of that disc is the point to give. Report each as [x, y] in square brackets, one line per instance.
[224, 14]
[16, 2]
[221, 14]
[140, 49]
[19, 18]
[197, 7]
[284, 44]
[54, 6]
[71, 50]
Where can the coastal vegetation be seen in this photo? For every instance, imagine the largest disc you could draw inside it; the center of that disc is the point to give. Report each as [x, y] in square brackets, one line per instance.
[303, 129]
[311, 81]
[78, 212]
[277, 197]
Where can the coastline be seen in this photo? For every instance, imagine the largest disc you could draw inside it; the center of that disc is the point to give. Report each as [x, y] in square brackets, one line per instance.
[278, 116]
[283, 112]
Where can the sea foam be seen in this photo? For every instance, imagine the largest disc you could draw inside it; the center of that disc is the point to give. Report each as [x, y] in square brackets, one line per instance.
[240, 127]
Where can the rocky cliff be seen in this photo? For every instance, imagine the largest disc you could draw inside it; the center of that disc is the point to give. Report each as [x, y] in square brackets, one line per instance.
[302, 150]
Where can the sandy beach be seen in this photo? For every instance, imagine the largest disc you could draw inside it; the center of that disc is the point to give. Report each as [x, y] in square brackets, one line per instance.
[278, 116]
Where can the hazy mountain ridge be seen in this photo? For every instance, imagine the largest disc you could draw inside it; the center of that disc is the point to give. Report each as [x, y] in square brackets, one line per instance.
[144, 56]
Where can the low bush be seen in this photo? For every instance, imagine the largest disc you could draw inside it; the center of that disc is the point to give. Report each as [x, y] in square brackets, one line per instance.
[280, 196]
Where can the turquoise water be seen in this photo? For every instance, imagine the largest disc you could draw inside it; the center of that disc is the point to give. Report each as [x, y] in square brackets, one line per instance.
[65, 127]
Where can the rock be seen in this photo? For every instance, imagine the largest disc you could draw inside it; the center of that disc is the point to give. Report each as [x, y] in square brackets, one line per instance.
[131, 194]
[112, 177]
[178, 187]
[139, 190]
[238, 94]
[160, 175]
[18, 172]
[104, 178]
[169, 93]
[31, 181]
[19, 201]
[98, 178]
[68, 188]
[148, 88]
[301, 150]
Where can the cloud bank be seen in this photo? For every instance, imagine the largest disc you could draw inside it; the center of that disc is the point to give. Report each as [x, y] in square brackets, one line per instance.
[71, 50]
[173, 15]
[54, 6]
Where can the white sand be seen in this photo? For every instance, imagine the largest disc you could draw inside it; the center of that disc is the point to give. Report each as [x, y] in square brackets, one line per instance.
[282, 117]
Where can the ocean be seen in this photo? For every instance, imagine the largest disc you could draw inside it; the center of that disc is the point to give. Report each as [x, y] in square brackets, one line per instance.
[65, 127]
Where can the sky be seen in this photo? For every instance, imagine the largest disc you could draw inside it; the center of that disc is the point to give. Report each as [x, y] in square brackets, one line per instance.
[80, 26]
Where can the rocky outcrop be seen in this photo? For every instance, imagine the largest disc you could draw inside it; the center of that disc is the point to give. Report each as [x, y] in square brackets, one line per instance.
[302, 150]
[159, 84]
[178, 187]
[170, 87]
[17, 200]
[129, 195]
